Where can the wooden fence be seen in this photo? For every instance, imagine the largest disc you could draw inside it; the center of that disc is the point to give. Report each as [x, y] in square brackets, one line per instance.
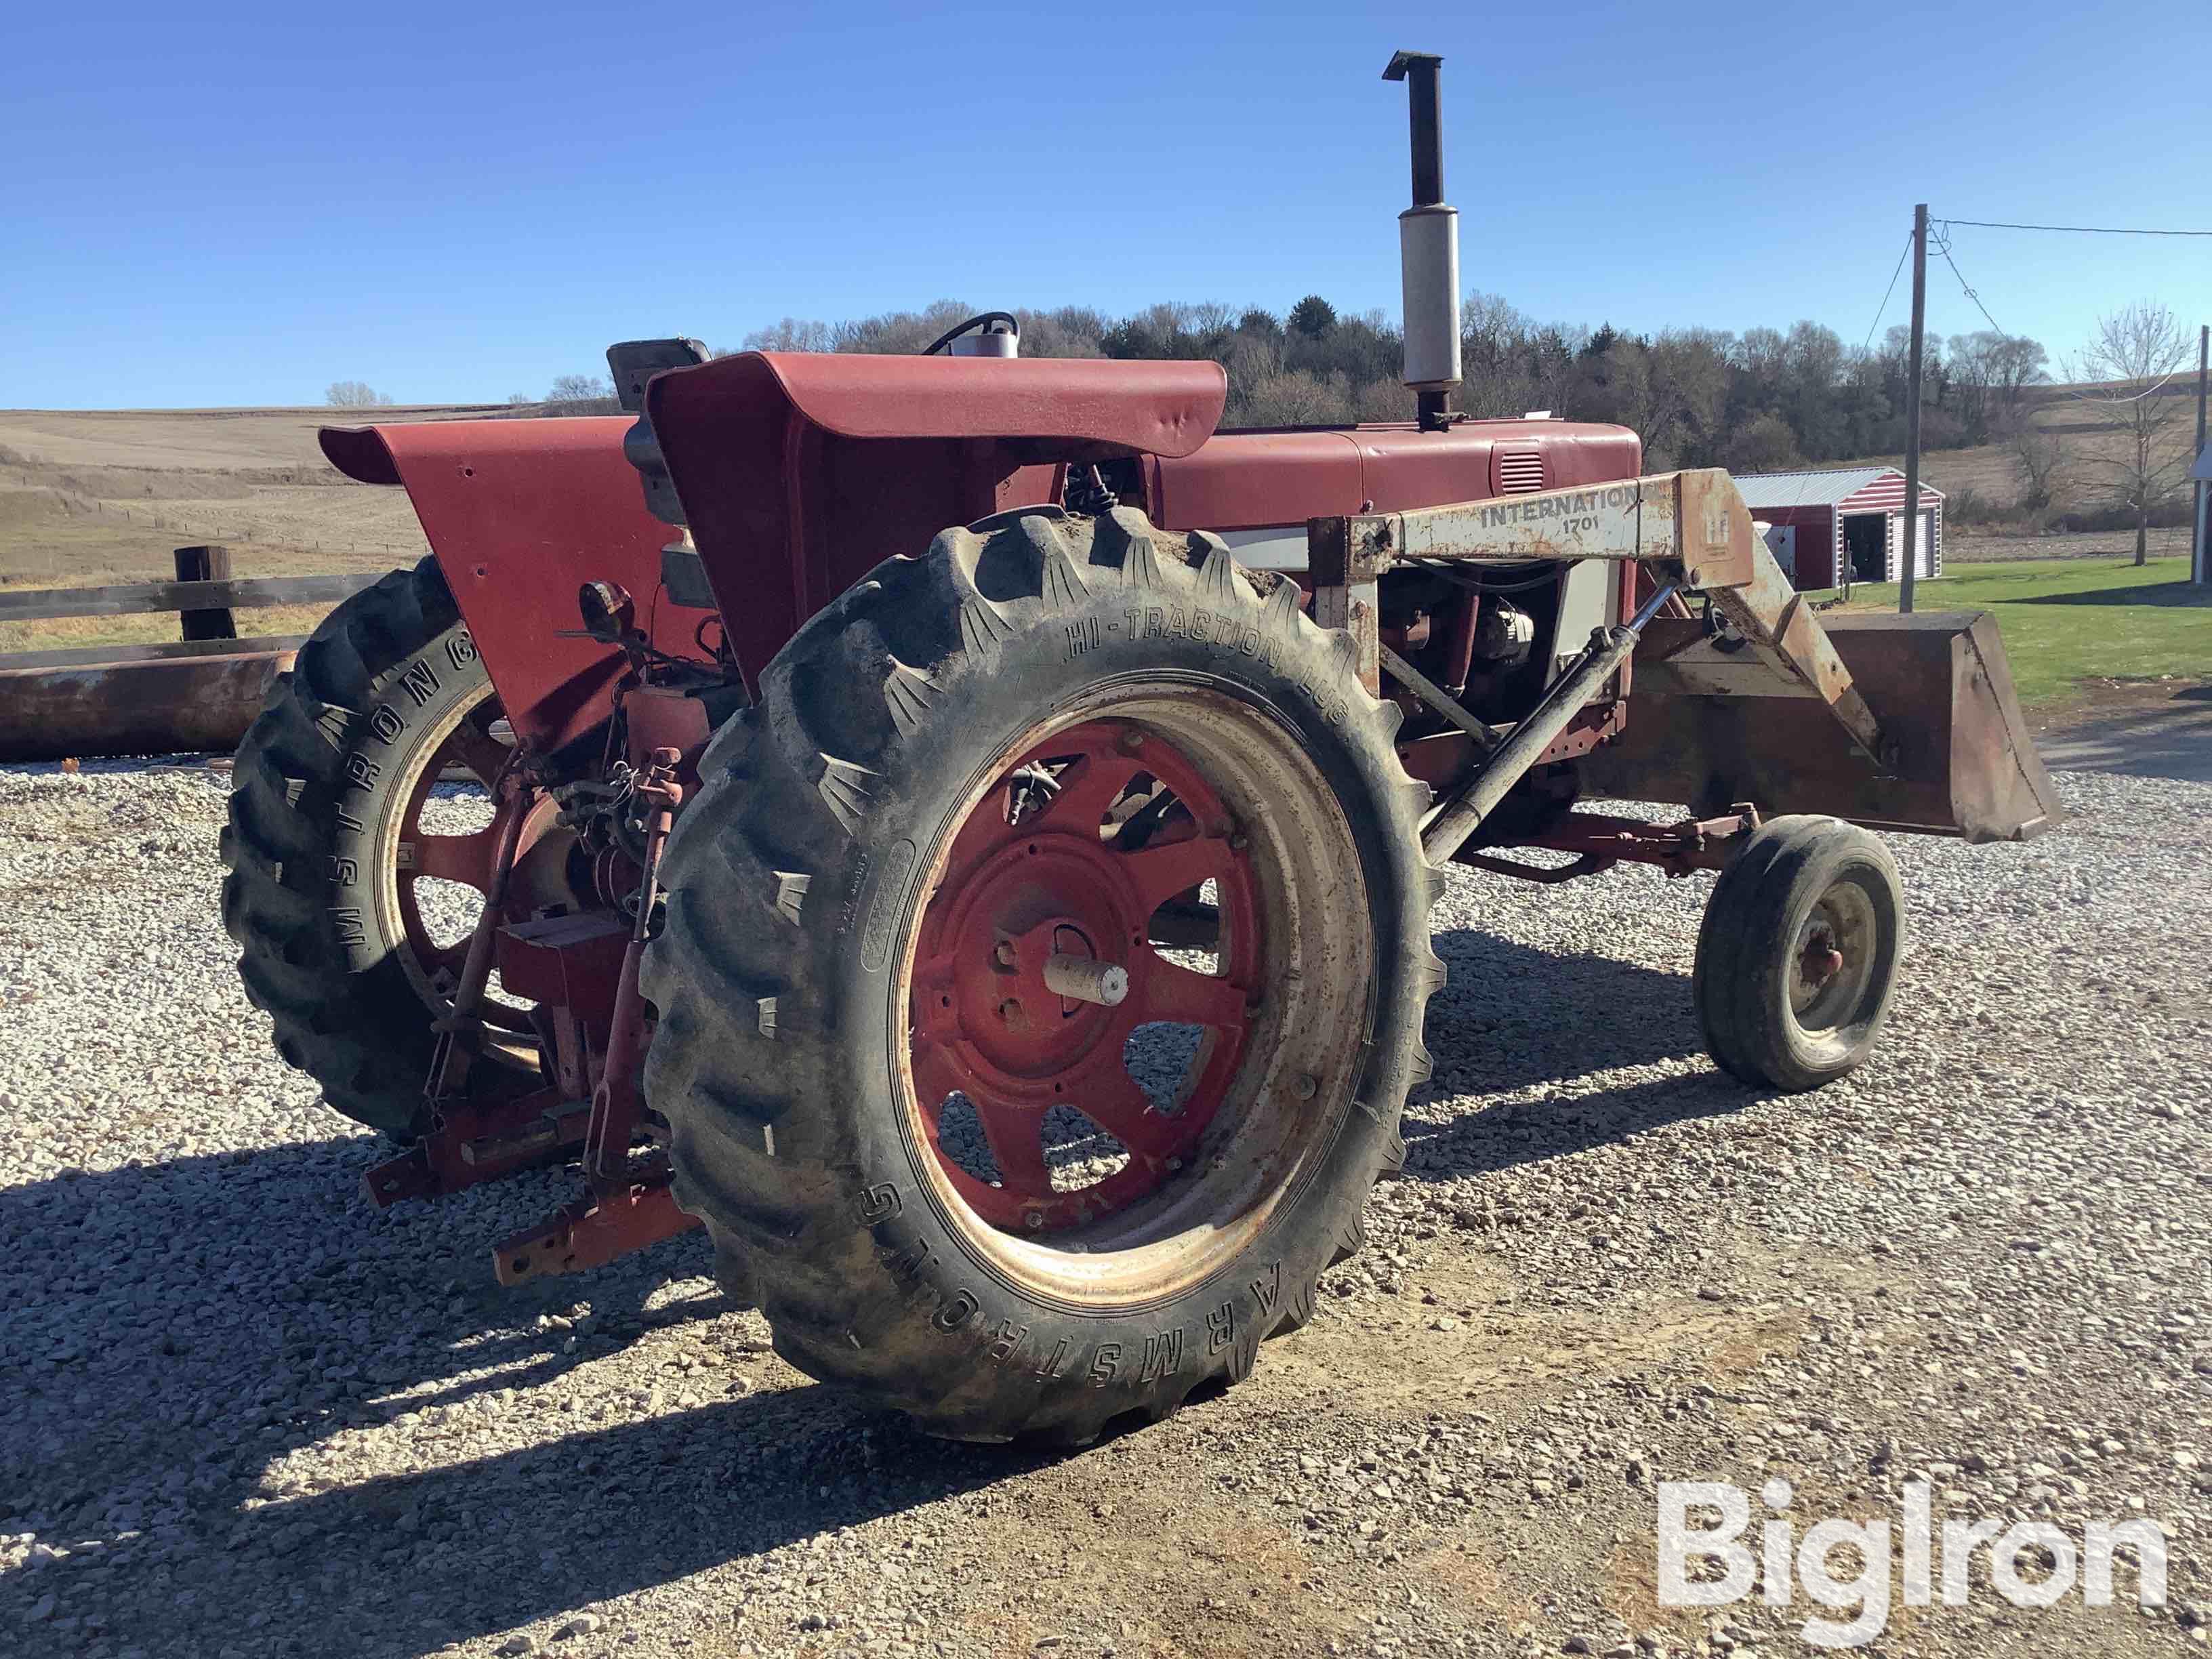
[197, 692]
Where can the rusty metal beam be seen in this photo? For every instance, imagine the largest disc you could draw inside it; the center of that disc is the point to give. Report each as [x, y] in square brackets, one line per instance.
[1342, 599]
[471, 1142]
[119, 700]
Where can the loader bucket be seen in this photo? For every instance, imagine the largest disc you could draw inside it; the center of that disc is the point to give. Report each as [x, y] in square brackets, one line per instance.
[1963, 764]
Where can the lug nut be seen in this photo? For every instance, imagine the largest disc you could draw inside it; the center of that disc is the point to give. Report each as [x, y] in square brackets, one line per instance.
[1005, 953]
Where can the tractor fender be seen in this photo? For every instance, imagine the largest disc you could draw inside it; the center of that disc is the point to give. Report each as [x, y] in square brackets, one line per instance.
[520, 515]
[800, 472]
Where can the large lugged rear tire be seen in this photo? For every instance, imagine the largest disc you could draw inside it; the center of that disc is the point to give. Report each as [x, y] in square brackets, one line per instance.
[975, 766]
[386, 692]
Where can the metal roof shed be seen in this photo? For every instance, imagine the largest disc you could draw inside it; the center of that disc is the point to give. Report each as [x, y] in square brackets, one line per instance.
[1847, 518]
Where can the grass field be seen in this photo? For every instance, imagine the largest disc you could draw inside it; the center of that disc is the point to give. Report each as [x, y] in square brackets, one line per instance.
[88, 497]
[2069, 626]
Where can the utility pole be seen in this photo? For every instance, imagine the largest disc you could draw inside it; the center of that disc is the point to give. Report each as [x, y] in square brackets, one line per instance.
[1913, 410]
[2200, 555]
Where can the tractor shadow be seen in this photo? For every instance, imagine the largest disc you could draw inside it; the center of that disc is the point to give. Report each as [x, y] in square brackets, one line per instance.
[148, 1308]
[409, 1565]
[144, 1303]
[1514, 1018]
[1512, 1015]
[167, 1342]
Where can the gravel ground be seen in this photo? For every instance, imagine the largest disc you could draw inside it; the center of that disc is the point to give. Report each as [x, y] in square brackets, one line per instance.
[242, 1413]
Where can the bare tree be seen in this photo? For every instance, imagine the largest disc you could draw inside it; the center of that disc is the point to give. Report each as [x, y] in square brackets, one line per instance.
[792, 334]
[582, 394]
[2040, 457]
[355, 394]
[1690, 380]
[2016, 365]
[900, 332]
[2135, 353]
[1988, 373]
[1294, 398]
[1069, 332]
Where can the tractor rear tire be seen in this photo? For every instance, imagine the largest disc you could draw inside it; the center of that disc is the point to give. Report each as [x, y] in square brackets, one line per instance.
[1797, 955]
[937, 793]
[388, 682]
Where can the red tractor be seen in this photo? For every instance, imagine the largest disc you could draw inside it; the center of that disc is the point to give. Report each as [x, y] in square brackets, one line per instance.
[1011, 941]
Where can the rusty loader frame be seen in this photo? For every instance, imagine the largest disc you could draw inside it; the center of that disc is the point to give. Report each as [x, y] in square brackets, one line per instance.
[1690, 534]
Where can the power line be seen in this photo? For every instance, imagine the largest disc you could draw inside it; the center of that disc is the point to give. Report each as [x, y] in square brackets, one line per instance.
[2164, 381]
[2082, 230]
[1943, 247]
[1885, 292]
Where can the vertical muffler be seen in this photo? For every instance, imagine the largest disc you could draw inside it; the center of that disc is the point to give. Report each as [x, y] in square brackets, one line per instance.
[1428, 248]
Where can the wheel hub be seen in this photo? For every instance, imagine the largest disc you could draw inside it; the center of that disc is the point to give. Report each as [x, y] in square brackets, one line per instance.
[1820, 961]
[1832, 962]
[1037, 897]
[1036, 967]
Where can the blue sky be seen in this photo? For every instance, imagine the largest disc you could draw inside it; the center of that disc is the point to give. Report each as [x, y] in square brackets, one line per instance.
[226, 205]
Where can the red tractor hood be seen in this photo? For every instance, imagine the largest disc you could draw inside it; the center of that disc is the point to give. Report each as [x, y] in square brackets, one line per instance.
[1128, 407]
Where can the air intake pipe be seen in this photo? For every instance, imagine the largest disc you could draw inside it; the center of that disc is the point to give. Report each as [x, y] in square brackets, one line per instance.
[1428, 248]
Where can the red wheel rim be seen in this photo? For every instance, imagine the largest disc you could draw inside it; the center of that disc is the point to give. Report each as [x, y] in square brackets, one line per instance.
[1038, 867]
[475, 748]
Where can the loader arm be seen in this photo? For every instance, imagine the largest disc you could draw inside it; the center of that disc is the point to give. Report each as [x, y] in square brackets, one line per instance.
[1690, 528]
[1901, 722]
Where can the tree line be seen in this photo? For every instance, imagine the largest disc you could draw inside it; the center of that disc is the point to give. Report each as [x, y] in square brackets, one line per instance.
[1762, 400]
[1758, 401]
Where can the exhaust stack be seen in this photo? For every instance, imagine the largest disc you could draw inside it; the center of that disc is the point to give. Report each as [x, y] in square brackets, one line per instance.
[1428, 248]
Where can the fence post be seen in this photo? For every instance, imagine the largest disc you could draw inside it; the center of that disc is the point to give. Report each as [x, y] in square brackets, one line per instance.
[205, 564]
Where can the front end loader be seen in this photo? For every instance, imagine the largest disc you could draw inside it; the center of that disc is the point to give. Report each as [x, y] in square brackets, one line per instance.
[1010, 942]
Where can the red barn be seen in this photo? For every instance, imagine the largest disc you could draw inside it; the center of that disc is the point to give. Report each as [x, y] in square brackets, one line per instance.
[1825, 522]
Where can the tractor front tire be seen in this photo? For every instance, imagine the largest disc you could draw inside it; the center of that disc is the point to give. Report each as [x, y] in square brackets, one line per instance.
[1797, 955]
[386, 692]
[923, 880]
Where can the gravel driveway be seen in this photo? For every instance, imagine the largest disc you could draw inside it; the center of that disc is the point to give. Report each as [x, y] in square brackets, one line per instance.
[241, 1413]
